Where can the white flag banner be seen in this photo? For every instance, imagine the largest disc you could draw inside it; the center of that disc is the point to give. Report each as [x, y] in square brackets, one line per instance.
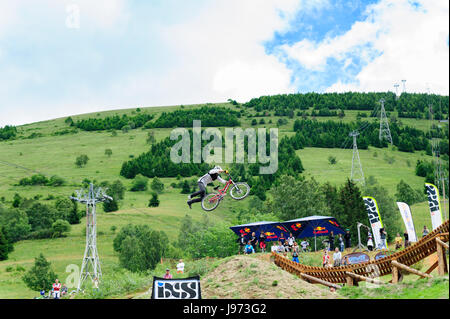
[374, 219]
[405, 211]
[434, 204]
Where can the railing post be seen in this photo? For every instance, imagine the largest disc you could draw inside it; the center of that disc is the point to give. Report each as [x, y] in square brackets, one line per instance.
[395, 272]
[442, 262]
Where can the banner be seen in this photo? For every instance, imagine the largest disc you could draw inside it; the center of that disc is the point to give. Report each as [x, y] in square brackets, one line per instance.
[434, 204]
[187, 288]
[407, 219]
[374, 219]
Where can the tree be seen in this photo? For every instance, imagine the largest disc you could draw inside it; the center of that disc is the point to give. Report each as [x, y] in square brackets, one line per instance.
[154, 201]
[16, 200]
[296, 198]
[81, 160]
[108, 152]
[140, 248]
[157, 185]
[4, 245]
[110, 206]
[40, 276]
[139, 183]
[15, 223]
[64, 207]
[60, 227]
[407, 194]
[186, 188]
[332, 160]
[41, 216]
[74, 217]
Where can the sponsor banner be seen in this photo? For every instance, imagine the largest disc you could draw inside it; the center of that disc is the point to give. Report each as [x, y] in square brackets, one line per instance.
[357, 258]
[380, 255]
[186, 288]
[405, 211]
[272, 230]
[374, 219]
[434, 204]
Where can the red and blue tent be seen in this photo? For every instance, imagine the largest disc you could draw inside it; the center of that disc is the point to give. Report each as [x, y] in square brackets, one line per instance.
[272, 230]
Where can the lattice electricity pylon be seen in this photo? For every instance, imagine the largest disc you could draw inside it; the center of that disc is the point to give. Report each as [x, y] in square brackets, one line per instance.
[357, 175]
[396, 90]
[385, 132]
[90, 267]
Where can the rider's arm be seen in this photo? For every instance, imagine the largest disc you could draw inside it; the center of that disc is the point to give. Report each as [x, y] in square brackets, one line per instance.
[220, 179]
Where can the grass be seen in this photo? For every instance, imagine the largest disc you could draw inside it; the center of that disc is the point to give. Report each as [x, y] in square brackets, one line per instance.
[55, 155]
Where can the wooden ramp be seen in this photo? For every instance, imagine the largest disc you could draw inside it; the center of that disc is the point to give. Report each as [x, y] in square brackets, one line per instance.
[425, 247]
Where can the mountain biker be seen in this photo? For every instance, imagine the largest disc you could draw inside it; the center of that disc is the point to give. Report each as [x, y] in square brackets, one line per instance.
[211, 176]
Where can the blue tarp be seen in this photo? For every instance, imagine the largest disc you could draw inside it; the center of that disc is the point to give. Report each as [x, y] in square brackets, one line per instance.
[272, 230]
[313, 226]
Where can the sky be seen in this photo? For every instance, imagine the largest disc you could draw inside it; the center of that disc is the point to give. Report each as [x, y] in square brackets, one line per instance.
[66, 57]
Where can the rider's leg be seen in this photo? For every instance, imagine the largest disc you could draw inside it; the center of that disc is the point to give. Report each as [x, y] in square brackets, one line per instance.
[201, 192]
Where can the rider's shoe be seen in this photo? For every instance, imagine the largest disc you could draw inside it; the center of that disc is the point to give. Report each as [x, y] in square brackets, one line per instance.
[189, 203]
[189, 197]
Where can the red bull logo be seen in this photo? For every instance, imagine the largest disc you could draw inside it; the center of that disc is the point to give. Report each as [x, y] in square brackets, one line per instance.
[270, 235]
[320, 230]
[332, 222]
[244, 231]
[296, 226]
[282, 228]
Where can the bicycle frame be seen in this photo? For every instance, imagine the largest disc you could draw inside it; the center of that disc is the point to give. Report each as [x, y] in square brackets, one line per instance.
[222, 192]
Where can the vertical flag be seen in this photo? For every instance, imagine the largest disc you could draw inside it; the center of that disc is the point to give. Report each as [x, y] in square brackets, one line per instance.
[434, 204]
[374, 219]
[407, 219]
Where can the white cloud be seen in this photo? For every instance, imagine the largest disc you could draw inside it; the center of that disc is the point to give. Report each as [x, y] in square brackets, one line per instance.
[412, 45]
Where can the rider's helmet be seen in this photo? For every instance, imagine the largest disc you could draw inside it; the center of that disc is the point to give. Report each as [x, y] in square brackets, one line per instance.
[217, 168]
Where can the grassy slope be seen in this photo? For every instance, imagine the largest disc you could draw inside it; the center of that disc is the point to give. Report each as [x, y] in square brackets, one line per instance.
[56, 155]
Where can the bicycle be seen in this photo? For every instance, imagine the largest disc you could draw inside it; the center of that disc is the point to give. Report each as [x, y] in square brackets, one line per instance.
[239, 191]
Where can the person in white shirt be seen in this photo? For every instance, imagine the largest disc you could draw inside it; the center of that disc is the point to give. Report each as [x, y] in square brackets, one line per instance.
[291, 241]
[206, 179]
[370, 243]
[180, 267]
[305, 245]
[337, 256]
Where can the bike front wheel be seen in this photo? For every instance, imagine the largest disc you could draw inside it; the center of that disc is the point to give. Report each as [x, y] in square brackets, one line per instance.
[240, 191]
[210, 201]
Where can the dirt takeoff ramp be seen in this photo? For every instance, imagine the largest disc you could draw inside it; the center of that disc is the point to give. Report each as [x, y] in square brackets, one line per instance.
[434, 242]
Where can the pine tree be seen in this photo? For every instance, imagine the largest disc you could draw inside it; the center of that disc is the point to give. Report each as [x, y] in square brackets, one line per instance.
[186, 189]
[40, 276]
[4, 245]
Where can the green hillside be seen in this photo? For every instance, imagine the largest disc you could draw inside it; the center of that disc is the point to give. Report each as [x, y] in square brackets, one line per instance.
[50, 148]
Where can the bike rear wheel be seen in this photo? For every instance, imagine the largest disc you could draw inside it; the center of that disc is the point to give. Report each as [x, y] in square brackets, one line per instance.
[210, 201]
[240, 191]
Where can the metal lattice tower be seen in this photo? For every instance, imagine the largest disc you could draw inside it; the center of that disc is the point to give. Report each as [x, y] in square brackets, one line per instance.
[357, 174]
[396, 90]
[404, 86]
[90, 267]
[385, 132]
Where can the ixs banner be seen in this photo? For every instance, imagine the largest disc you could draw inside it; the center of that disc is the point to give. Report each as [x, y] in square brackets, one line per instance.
[374, 219]
[405, 211]
[186, 288]
[434, 204]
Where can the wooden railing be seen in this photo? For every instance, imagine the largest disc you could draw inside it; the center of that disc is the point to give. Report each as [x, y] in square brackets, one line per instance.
[374, 268]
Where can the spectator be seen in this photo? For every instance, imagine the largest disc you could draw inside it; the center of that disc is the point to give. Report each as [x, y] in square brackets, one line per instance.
[282, 238]
[280, 248]
[398, 241]
[242, 241]
[262, 242]
[56, 289]
[274, 247]
[370, 243]
[406, 236]
[295, 251]
[337, 258]
[345, 262]
[425, 231]
[291, 241]
[347, 238]
[249, 249]
[96, 284]
[331, 241]
[341, 243]
[325, 258]
[383, 236]
[286, 247]
[180, 267]
[253, 241]
[167, 275]
[305, 245]
[64, 290]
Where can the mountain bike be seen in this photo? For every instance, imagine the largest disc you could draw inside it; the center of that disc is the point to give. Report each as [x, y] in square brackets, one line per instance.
[238, 191]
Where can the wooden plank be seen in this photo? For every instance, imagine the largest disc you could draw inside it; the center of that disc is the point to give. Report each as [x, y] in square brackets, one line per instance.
[368, 279]
[440, 242]
[433, 267]
[320, 281]
[396, 264]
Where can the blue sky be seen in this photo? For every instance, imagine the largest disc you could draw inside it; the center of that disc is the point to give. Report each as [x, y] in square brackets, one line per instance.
[63, 57]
